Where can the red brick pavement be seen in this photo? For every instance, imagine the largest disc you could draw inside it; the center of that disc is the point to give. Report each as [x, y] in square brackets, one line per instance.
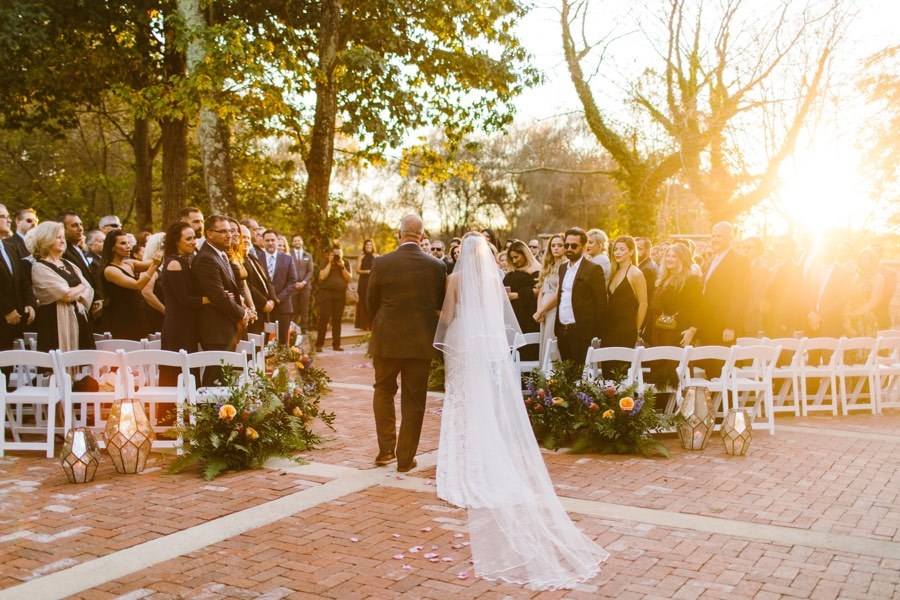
[312, 555]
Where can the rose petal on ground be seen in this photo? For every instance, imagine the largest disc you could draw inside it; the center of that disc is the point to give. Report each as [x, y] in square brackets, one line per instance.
[458, 535]
[406, 567]
[354, 539]
[465, 543]
[396, 535]
[456, 546]
[447, 559]
[414, 550]
[434, 547]
[463, 575]
[398, 557]
[430, 555]
[426, 529]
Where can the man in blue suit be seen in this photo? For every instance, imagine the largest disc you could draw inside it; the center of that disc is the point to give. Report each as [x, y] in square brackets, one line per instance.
[281, 271]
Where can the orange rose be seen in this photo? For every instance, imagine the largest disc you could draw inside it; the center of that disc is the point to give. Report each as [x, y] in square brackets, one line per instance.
[299, 365]
[251, 433]
[608, 414]
[557, 401]
[626, 403]
[227, 412]
[297, 412]
[295, 350]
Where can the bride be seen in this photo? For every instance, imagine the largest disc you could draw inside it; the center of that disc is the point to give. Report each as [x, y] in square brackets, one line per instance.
[488, 459]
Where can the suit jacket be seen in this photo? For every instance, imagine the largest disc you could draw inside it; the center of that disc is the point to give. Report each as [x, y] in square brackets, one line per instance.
[784, 301]
[724, 300]
[832, 305]
[405, 295]
[304, 266]
[589, 298]
[19, 255]
[215, 280]
[14, 295]
[260, 254]
[90, 272]
[283, 282]
[261, 289]
[883, 309]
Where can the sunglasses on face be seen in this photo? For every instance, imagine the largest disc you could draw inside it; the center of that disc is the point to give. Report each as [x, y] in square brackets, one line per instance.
[571, 246]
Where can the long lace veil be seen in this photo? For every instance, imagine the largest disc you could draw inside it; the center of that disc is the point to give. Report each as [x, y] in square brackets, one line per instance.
[489, 461]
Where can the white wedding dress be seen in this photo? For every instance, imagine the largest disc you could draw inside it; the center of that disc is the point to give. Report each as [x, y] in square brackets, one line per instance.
[488, 459]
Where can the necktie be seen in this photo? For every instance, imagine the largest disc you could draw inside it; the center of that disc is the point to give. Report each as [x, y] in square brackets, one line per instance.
[6, 256]
[271, 266]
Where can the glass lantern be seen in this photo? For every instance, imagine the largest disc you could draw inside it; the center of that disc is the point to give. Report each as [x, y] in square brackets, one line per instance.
[80, 455]
[737, 432]
[128, 436]
[699, 419]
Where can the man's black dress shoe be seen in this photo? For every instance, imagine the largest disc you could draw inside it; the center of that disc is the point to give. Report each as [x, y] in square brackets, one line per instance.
[408, 467]
[385, 459]
[338, 349]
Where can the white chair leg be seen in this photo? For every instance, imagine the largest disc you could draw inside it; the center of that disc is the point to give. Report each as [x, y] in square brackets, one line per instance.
[51, 428]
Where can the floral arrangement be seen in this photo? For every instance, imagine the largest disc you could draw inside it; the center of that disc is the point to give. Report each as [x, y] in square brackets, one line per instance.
[280, 354]
[566, 409]
[260, 418]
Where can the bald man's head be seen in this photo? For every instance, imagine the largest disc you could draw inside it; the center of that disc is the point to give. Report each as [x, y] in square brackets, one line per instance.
[412, 228]
[722, 236]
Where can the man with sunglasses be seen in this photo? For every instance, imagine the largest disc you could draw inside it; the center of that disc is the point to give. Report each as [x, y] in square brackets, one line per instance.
[108, 223]
[26, 220]
[581, 299]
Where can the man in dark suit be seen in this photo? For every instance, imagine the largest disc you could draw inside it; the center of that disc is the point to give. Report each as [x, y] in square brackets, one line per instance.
[280, 268]
[256, 236]
[405, 295]
[16, 299]
[26, 220]
[224, 316]
[581, 299]
[828, 294]
[305, 267]
[651, 272]
[784, 299]
[261, 289]
[74, 253]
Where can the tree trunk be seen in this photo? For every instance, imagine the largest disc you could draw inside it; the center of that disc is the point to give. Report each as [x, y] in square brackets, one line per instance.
[143, 175]
[174, 168]
[320, 159]
[213, 134]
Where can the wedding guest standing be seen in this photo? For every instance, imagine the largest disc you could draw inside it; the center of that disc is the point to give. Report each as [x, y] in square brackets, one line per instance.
[183, 302]
[16, 295]
[454, 256]
[548, 284]
[627, 302]
[122, 287]
[783, 298]
[596, 250]
[280, 268]
[865, 294]
[303, 264]
[236, 255]
[364, 267]
[334, 276]
[62, 293]
[581, 308]
[520, 283]
[261, 290]
[153, 294]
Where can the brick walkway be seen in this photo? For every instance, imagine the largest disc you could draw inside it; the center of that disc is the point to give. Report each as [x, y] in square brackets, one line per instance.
[812, 512]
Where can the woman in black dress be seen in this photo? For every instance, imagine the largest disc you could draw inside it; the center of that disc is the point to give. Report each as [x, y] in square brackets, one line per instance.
[677, 297]
[63, 295]
[153, 295]
[627, 302]
[364, 267]
[179, 330]
[122, 287]
[521, 284]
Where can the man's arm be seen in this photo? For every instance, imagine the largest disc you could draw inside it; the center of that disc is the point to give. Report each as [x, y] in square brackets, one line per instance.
[373, 293]
[208, 278]
[288, 290]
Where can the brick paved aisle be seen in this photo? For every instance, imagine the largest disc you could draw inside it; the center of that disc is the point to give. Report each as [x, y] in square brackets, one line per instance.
[812, 512]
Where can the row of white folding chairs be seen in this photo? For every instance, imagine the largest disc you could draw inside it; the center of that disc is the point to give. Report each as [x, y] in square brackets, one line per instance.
[53, 386]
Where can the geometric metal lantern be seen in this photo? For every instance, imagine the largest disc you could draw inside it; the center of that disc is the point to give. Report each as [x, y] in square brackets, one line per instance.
[128, 436]
[80, 455]
[697, 410]
[737, 432]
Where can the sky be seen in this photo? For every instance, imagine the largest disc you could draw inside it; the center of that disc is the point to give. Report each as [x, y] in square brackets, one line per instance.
[821, 177]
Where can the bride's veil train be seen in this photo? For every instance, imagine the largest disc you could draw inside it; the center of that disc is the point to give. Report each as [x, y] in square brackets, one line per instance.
[488, 459]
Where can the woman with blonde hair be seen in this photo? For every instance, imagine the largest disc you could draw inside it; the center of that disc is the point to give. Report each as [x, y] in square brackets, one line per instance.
[678, 290]
[236, 255]
[548, 284]
[62, 293]
[596, 250]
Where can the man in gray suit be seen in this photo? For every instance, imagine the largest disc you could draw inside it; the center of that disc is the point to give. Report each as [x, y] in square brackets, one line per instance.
[303, 264]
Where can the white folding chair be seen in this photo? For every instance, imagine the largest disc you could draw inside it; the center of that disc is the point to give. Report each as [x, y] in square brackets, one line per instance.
[152, 393]
[247, 347]
[111, 345]
[786, 377]
[30, 339]
[154, 337]
[96, 364]
[820, 363]
[153, 344]
[715, 385]
[102, 336]
[749, 341]
[593, 362]
[527, 366]
[755, 380]
[669, 354]
[271, 329]
[259, 349]
[41, 398]
[889, 333]
[213, 358]
[857, 362]
[887, 373]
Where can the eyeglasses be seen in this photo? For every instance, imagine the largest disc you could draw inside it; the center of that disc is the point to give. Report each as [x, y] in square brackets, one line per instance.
[534, 247]
[4, 217]
[571, 246]
[116, 225]
[222, 231]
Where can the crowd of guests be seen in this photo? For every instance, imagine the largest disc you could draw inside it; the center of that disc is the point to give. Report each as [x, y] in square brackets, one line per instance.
[203, 283]
[580, 285]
